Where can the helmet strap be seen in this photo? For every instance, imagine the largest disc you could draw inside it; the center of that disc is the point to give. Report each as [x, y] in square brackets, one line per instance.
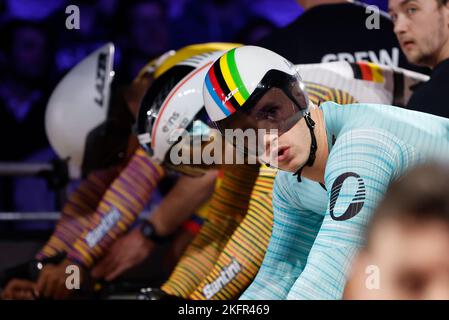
[313, 146]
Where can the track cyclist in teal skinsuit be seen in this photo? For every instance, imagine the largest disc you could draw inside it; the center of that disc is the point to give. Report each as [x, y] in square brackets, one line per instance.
[337, 162]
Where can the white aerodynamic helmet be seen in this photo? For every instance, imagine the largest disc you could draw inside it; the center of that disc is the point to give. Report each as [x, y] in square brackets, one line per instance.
[252, 88]
[87, 123]
[173, 106]
[243, 75]
[236, 82]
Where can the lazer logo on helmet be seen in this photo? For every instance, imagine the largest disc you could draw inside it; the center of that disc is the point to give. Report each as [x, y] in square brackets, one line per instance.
[100, 80]
[231, 94]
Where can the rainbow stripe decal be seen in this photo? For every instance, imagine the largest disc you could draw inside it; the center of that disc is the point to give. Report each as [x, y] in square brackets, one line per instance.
[225, 85]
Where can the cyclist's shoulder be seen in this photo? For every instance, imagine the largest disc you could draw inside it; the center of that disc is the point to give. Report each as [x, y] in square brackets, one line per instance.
[363, 141]
[288, 189]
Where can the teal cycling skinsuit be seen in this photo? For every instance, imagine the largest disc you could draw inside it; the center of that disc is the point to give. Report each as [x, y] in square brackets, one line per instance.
[318, 228]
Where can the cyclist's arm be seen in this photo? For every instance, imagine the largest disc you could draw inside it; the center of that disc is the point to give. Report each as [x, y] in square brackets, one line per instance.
[226, 210]
[243, 254]
[120, 205]
[80, 204]
[184, 199]
[294, 230]
[359, 169]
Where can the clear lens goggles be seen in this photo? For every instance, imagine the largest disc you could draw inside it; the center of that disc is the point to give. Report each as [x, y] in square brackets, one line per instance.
[277, 104]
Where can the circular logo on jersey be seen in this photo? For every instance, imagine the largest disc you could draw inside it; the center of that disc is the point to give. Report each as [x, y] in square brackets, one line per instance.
[357, 201]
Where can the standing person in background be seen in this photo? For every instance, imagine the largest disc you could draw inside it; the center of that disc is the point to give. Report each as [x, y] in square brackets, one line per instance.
[422, 28]
[145, 35]
[95, 28]
[333, 30]
[24, 91]
[207, 20]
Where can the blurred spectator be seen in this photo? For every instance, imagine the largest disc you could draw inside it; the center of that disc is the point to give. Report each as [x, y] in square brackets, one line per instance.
[254, 30]
[210, 20]
[23, 95]
[331, 30]
[145, 34]
[280, 12]
[97, 20]
[422, 28]
[407, 245]
[24, 89]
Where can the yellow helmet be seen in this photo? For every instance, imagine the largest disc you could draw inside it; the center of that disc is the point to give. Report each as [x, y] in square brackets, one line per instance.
[159, 65]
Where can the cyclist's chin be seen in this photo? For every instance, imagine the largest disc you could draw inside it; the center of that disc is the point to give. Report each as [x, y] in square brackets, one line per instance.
[290, 165]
